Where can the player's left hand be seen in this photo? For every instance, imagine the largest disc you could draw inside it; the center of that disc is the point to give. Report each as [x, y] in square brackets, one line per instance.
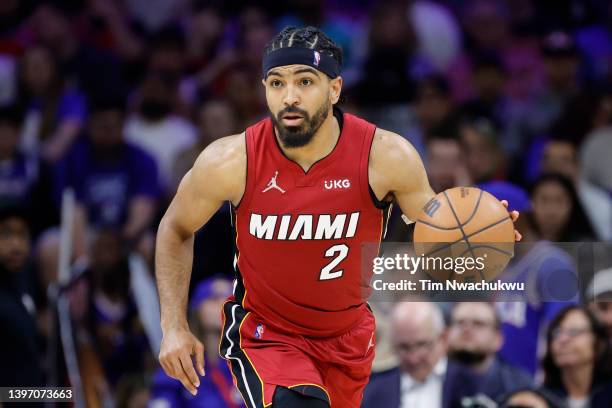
[514, 216]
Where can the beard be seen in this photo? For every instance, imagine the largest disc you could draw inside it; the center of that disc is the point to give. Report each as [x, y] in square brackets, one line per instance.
[468, 358]
[301, 135]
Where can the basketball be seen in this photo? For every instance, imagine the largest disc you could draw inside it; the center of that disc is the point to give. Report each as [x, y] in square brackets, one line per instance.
[465, 222]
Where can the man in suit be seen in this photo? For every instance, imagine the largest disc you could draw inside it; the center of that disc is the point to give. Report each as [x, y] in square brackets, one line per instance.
[425, 377]
[474, 338]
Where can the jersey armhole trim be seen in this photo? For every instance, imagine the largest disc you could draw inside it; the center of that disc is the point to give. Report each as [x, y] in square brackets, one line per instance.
[249, 176]
[371, 196]
[377, 203]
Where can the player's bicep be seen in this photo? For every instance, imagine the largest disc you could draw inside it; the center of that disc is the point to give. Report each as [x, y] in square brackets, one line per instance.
[193, 204]
[218, 175]
[400, 170]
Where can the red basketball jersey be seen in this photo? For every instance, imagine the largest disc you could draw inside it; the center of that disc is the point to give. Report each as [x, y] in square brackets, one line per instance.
[299, 234]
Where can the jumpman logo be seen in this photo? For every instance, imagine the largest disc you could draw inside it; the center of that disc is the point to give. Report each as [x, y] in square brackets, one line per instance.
[272, 184]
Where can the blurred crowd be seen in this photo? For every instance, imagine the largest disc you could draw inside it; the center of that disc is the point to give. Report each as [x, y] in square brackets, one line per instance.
[115, 99]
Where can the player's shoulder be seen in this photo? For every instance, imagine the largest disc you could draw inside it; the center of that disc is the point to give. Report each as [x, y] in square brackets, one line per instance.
[225, 151]
[390, 148]
[223, 161]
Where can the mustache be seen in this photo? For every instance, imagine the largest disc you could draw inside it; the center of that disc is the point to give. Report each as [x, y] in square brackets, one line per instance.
[290, 109]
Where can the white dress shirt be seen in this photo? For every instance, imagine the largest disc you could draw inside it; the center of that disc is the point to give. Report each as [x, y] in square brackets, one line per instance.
[417, 394]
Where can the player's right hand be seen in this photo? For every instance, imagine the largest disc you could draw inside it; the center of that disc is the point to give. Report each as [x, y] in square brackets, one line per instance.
[177, 347]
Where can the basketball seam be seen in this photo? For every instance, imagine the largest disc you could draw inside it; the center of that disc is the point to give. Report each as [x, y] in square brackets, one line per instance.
[468, 236]
[475, 209]
[490, 247]
[459, 224]
[480, 271]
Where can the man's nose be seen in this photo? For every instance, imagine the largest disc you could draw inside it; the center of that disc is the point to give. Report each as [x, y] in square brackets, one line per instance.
[291, 96]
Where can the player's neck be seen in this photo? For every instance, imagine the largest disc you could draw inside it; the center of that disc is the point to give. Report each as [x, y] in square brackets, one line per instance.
[322, 144]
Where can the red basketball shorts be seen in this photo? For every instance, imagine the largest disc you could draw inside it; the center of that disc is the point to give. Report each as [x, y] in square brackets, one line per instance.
[334, 369]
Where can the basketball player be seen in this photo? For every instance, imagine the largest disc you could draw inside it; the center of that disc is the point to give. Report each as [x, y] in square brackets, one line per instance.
[308, 186]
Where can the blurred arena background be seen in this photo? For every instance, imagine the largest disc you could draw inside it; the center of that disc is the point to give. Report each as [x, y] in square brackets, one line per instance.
[105, 104]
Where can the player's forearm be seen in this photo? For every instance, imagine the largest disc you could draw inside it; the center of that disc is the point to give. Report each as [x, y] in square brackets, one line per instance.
[173, 260]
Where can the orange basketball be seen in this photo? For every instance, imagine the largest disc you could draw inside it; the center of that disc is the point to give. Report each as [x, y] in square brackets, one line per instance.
[464, 222]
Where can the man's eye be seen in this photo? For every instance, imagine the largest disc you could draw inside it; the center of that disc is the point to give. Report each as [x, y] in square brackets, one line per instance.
[275, 83]
[306, 82]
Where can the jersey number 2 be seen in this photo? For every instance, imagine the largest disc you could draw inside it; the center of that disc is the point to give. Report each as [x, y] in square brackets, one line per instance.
[339, 252]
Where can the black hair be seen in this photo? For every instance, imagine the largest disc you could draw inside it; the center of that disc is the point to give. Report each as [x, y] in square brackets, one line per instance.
[551, 399]
[306, 37]
[436, 82]
[579, 226]
[13, 211]
[602, 369]
[488, 60]
[169, 37]
[447, 130]
[12, 115]
[483, 124]
[107, 102]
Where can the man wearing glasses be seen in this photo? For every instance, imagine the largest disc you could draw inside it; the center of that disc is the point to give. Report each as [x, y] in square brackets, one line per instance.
[474, 338]
[425, 376]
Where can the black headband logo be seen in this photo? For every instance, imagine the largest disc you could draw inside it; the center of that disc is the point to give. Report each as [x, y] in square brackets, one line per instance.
[304, 56]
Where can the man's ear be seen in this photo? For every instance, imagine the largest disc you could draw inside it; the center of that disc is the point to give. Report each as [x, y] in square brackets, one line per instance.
[336, 89]
[263, 82]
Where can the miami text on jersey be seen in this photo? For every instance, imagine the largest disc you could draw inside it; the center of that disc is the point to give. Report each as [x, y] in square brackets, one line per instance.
[303, 226]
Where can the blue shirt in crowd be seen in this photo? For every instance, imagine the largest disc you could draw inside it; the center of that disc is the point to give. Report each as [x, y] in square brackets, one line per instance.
[106, 184]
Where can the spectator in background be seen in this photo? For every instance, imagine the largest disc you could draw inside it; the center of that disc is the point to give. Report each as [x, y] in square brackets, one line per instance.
[155, 16]
[474, 338]
[486, 25]
[55, 111]
[595, 156]
[433, 108]
[558, 214]
[107, 312]
[550, 277]
[561, 65]
[214, 119]
[255, 32]
[560, 156]
[531, 398]
[388, 71]
[577, 365]
[156, 128]
[20, 348]
[438, 32]
[246, 100]
[599, 295]
[434, 103]
[115, 184]
[167, 57]
[18, 171]
[216, 389]
[205, 27]
[486, 159]
[108, 28]
[207, 52]
[425, 377]
[91, 69]
[491, 101]
[445, 162]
